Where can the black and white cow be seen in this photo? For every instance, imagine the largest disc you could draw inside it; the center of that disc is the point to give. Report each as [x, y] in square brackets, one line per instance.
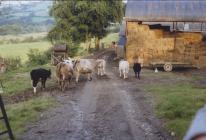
[137, 69]
[39, 75]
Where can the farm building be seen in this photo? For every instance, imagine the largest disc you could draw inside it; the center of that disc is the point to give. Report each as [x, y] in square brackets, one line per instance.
[156, 30]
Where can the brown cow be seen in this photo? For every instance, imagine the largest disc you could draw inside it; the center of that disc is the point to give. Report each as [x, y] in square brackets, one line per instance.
[64, 72]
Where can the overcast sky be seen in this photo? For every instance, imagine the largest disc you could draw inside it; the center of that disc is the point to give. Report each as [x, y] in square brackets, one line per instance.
[17, 2]
[11, 2]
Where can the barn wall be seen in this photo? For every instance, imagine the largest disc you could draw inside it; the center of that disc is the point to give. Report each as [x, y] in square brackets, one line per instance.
[158, 45]
[120, 51]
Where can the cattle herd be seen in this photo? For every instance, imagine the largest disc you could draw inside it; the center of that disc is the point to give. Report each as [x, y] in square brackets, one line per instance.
[68, 68]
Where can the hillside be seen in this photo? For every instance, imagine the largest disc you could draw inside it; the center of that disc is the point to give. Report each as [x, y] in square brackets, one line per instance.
[19, 17]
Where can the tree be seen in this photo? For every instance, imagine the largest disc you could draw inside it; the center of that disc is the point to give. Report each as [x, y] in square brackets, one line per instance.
[79, 21]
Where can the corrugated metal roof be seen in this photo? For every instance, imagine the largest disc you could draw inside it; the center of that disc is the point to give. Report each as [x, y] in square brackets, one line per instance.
[166, 10]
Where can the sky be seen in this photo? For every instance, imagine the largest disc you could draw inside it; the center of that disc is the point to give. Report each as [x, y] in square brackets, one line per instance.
[13, 2]
[17, 2]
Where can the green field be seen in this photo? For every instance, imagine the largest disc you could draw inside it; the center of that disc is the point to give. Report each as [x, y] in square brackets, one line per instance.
[21, 49]
[23, 36]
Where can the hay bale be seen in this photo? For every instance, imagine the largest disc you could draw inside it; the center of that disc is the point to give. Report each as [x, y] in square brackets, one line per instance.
[144, 39]
[158, 33]
[156, 44]
[191, 37]
[201, 62]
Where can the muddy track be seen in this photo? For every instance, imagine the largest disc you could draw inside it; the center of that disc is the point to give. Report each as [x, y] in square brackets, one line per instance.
[107, 108]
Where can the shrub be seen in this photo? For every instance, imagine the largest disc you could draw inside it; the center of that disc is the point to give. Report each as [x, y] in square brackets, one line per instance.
[12, 63]
[36, 57]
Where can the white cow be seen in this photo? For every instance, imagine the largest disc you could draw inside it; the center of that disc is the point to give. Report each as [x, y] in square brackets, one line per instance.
[88, 66]
[101, 66]
[84, 66]
[123, 68]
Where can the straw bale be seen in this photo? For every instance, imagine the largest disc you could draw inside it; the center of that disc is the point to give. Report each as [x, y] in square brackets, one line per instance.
[156, 44]
[191, 37]
[202, 60]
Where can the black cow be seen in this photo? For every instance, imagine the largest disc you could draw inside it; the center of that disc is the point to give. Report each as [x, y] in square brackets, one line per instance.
[137, 69]
[39, 74]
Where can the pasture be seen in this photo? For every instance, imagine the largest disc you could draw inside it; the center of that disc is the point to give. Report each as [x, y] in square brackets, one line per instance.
[21, 49]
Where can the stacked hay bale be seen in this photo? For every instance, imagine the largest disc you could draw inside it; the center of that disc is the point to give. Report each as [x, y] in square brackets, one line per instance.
[157, 45]
[148, 45]
[199, 57]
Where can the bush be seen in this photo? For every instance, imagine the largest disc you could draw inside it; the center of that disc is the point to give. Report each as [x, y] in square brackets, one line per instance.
[12, 63]
[37, 58]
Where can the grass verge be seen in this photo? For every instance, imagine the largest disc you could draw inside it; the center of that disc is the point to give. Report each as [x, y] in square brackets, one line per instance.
[177, 105]
[22, 113]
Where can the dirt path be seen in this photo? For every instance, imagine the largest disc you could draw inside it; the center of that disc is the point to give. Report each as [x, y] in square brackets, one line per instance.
[107, 108]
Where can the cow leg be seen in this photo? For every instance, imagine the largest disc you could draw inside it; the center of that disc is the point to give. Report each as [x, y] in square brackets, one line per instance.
[125, 74]
[98, 71]
[34, 83]
[77, 77]
[63, 85]
[68, 82]
[135, 74]
[138, 74]
[34, 89]
[63, 82]
[43, 81]
[102, 72]
[89, 77]
[120, 73]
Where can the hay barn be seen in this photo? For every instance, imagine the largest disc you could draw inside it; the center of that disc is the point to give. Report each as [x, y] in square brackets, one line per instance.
[157, 30]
